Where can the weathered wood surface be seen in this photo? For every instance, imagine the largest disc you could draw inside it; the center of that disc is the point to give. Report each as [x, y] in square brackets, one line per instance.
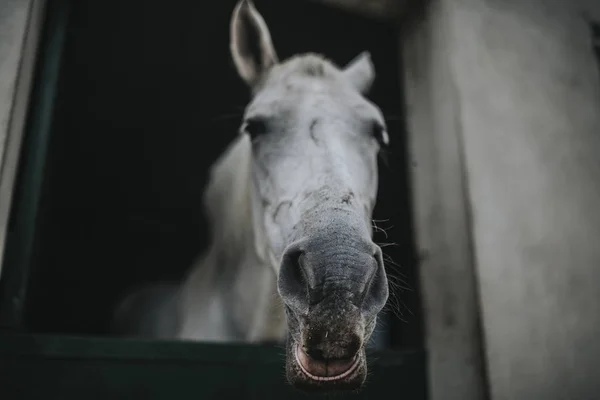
[20, 24]
[70, 368]
[525, 114]
[441, 212]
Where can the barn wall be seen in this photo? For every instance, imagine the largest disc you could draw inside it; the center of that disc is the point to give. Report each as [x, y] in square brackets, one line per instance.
[516, 87]
[20, 24]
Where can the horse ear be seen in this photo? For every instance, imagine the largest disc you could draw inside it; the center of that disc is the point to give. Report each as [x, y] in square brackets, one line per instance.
[250, 43]
[360, 72]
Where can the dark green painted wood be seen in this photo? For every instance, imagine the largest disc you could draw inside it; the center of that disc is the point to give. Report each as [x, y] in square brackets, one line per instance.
[54, 367]
[24, 213]
[51, 367]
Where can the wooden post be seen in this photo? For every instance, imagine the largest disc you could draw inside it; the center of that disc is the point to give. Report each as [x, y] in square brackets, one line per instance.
[20, 28]
[509, 92]
[19, 252]
[442, 213]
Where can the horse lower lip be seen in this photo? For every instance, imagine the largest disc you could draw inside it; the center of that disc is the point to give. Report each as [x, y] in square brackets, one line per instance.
[325, 371]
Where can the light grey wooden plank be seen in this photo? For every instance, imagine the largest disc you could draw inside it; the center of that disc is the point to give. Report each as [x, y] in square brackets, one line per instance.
[529, 95]
[441, 213]
[20, 27]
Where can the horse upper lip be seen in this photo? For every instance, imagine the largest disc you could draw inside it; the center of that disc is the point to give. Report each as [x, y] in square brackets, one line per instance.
[325, 370]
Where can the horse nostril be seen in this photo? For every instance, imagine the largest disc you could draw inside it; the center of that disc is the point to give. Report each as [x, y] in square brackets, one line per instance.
[376, 291]
[293, 281]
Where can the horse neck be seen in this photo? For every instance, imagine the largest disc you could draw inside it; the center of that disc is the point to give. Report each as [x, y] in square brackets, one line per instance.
[232, 205]
[238, 261]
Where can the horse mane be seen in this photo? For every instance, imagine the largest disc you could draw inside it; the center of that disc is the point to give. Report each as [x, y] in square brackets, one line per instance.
[237, 241]
[231, 205]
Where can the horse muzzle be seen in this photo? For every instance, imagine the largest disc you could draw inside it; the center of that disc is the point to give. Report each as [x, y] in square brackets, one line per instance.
[325, 349]
[333, 291]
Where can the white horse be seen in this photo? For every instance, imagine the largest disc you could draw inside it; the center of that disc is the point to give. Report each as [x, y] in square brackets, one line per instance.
[291, 255]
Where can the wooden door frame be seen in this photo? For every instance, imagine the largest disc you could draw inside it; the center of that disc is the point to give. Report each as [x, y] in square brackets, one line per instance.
[446, 262]
[20, 36]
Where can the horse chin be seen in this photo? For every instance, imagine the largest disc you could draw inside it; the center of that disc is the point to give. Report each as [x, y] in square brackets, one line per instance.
[313, 376]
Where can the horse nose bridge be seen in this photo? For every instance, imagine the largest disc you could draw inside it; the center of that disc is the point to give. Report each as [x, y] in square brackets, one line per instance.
[335, 253]
[339, 264]
[351, 272]
[320, 267]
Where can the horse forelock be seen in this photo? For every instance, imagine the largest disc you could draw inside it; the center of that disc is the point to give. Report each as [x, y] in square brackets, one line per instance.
[308, 65]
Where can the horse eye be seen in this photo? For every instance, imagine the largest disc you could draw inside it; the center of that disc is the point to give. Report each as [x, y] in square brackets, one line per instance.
[254, 127]
[380, 134]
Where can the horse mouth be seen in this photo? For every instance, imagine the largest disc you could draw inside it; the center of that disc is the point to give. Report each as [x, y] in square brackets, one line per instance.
[325, 371]
[308, 374]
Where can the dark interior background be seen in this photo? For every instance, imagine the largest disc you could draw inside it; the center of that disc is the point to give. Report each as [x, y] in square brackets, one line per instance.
[148, 98]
